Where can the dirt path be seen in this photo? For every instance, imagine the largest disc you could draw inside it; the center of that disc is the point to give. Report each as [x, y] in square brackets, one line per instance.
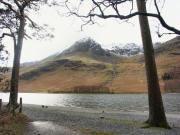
[112, 76]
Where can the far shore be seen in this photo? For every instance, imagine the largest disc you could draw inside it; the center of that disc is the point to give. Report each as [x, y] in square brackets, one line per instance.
[89, 93]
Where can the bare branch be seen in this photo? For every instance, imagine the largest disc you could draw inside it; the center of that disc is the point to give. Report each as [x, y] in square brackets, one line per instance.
[32, 22]
[113, 4]
[9, 6]
[17, 3]
[6, 34]
[155, 3]
[26, 35]
[161, 34]
[95, 3]
[132, 6]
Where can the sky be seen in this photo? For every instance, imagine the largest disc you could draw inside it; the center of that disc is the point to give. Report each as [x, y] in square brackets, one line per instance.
[67, 30]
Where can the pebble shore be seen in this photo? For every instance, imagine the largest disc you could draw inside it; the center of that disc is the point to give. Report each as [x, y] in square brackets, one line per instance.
[52, 120]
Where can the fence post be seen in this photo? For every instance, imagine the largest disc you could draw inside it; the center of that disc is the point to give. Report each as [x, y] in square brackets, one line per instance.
[20, 108]
[0, 105]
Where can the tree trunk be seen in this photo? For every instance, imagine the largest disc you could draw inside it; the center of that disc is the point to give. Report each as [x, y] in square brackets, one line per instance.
[16, 63]
[157, 116]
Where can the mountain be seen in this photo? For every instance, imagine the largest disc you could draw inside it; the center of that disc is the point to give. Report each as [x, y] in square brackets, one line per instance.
[170, 47]
[87, 47]
[87, 67]
[127, 50]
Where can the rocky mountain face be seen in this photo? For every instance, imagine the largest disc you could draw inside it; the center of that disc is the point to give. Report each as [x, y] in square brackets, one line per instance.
[89, 45]
[89, 48]
[86, 45]
[127, 50]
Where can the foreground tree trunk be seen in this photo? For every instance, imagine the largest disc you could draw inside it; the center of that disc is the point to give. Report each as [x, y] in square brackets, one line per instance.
[16, 63]
[157, 116]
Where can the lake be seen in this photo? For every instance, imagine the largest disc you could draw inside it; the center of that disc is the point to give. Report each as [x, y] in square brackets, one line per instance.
[121, 102]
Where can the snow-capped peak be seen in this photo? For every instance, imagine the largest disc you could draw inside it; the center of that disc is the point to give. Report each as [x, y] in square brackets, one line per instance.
[129, 49]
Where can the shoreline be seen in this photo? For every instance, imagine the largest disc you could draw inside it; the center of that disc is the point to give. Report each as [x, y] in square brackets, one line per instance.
[53, 120]
[162, 92]
[82, 120]
[97, 110]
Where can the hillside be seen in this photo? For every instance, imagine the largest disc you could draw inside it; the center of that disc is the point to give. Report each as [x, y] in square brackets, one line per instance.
[86, 67]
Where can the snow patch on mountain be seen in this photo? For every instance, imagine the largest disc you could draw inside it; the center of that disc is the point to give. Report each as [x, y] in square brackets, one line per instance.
[89, 45]
[127, 50]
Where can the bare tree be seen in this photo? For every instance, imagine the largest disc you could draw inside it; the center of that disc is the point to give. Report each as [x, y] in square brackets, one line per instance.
[13, 21]
[106, 9]
[156, 110]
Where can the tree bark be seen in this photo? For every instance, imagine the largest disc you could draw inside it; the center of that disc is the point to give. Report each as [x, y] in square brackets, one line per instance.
[16, 64]
[157, 116]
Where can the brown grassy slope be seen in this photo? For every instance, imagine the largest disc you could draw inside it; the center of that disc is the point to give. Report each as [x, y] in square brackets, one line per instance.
[125, 77]
[66, 77]
[61, 80]
[131, 79]
[167, 61]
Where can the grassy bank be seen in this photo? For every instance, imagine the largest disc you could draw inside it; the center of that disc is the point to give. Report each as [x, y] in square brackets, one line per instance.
[12, 125]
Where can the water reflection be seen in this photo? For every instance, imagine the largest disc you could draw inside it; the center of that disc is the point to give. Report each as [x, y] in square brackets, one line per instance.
[125, 102]
[47, 128]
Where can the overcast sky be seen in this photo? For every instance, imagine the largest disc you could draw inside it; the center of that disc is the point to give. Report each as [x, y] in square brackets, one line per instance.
[107, 32]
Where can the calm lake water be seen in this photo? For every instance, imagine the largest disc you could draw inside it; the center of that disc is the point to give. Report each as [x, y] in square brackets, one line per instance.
[122, 102]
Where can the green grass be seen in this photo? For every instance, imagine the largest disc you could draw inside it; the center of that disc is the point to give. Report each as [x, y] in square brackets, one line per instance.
[147, 126]
[101, 133]
[142, 124]
[96, 132]
[125, 121]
